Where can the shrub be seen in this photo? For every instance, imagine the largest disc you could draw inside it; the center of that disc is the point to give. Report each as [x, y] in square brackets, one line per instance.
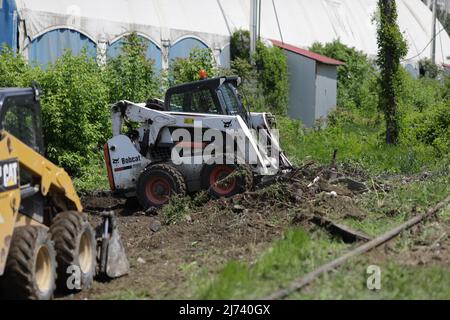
[244, 69]
[419, 94]
[447, 24]
[187, 69]
[131, 76]
[446, 90]
[252, 94]
[431, 127]
[273, 77]
[75, 111]
[240, 45]
[428, 69]
[15, 71]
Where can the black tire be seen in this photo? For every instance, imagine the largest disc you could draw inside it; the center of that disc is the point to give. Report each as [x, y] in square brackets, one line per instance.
[217, 184]
[76, 251]
[30, 272]
[158, 183]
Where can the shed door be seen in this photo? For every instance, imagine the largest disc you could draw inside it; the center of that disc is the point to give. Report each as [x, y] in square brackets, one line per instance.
[326, 86]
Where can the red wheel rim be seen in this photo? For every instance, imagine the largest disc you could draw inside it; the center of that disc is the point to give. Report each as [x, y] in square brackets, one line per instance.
[158, 190]
[218, 174]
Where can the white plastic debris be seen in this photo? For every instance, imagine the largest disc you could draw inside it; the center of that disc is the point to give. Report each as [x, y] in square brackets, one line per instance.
[314, 182]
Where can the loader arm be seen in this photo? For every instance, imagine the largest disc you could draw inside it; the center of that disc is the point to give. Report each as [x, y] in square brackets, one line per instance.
[154, 119]
[54, 182]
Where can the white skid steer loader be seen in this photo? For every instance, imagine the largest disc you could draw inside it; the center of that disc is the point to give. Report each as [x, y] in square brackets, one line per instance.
[200, 138]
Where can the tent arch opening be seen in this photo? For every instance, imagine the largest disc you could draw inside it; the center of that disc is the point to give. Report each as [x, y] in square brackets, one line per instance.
[153, 52]
[182, 47]
[51, 44]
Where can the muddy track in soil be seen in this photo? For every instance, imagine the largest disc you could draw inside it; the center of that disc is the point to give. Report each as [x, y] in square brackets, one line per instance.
[164, 262]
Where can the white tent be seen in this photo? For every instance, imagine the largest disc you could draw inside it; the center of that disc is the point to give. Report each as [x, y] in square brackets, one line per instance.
[186, 23]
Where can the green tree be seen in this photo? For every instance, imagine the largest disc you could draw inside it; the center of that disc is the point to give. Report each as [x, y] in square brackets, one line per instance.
[446, 89]
[15, 71]
[428, 69]
[184, 70]
[75, 111]
[392, 48]
[271, 64]
[240, 45]
[447, 24]
[131, 76]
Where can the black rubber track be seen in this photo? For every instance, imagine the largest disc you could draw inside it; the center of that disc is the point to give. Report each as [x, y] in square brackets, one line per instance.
[19, 281]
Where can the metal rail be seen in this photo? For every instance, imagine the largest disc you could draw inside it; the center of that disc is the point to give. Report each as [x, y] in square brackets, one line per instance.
[304, 281]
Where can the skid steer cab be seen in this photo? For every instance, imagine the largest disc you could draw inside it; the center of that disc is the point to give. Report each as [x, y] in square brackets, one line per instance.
[201, 137]
[46, 241]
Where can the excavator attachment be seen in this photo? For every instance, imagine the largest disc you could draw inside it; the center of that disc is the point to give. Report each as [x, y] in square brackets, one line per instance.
[113, 262]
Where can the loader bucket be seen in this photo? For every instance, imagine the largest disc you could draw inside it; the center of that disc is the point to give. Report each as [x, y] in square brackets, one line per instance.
[113, 262]
[117, 264]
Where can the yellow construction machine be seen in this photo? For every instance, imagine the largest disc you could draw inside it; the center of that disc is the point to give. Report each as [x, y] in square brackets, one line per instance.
[46, 241]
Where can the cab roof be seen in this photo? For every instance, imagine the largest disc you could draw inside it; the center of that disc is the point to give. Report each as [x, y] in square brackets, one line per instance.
[212, 83]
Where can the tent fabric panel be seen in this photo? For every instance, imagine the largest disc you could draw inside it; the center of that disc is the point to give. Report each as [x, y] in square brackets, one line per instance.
[50, 46]
[302, 22]
[8, 24]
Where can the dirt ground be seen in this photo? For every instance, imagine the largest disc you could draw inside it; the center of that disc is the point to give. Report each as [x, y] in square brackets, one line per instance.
[429, 245]
[160, 261]
[164, 258]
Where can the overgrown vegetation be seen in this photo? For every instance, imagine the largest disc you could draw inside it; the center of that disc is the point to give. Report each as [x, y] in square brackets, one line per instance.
[77, 94]
[265, 76]
[428, 69]
[131, 76]
[271, 64]
[240, 45]
[187, 70]
[357, 130]
[14, 70]
[359, 135]
[75, 111]
[392, 48]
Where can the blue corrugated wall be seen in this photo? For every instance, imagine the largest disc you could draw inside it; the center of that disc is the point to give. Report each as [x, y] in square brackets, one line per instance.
[8, 23]
[52, 45]
[153, 52]
[182, 48]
